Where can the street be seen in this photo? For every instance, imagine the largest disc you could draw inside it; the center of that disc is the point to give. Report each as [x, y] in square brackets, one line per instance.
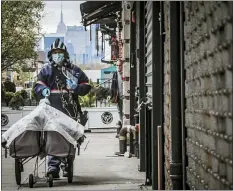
[95, 169]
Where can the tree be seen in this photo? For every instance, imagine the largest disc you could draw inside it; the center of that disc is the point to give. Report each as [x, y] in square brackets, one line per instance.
[102, 93]
[16, 102]
[9, 86]
[89, 99]
[8, 96]
[21, 77]
[20, 31]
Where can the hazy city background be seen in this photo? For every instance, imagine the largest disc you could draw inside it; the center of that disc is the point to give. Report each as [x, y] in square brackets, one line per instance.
[86, 47]
[63, 20]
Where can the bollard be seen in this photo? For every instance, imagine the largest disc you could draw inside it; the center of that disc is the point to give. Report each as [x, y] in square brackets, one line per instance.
[122, 144]
[123, 140]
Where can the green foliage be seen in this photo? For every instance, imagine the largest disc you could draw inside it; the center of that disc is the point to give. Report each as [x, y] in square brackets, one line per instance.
[102, 93]
[87, 101]
[9, 87]
[8, 97]
[34, 97]
[16, 102]
[23, 76]
[3, 95]
[20, 31]
[22, 93]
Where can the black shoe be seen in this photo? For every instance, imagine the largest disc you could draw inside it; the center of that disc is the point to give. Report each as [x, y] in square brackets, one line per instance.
[54, 174]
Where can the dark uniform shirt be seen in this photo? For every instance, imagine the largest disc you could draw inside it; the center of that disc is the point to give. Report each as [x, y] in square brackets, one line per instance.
[48, 78]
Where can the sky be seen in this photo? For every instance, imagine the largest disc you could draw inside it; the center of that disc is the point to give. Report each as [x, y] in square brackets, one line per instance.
[52, 12]
[71, 16]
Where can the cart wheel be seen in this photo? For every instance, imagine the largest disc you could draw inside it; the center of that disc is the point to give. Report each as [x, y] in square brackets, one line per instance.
[31, 180]
[50, 180]
[18, 171]
[70, 169]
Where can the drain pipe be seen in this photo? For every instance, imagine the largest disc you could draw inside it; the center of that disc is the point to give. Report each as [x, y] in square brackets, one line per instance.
[176, 123]
[127, 131]
[182, 79]
[132, 134]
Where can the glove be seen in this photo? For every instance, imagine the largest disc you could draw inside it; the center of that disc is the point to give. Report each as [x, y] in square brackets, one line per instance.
[71, 84]
[46, 92]
[83, 118]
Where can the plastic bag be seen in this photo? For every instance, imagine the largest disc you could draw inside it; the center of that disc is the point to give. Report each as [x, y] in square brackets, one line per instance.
[46, 118]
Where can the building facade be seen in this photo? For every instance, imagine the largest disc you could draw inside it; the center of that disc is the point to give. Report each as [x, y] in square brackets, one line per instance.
[70, 49]
[81, 43]
[61, 27]
[79, 38]
[177, 58]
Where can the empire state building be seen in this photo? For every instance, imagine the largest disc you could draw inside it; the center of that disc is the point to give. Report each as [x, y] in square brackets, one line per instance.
[61, 27]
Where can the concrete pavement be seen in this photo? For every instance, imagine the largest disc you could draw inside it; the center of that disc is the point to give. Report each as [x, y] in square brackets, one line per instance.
[97, 168]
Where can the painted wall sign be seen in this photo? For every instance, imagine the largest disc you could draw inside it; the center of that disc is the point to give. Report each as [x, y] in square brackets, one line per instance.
[4, 120]
[107, 117]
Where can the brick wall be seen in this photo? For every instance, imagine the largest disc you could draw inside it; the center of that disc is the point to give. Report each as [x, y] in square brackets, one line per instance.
[208, 89]
[208, 118]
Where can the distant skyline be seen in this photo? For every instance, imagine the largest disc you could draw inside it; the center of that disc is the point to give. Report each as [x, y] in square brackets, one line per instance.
[52, 11]
[71, 16]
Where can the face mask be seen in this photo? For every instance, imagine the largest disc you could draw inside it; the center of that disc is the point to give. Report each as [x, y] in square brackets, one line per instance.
[58, 58]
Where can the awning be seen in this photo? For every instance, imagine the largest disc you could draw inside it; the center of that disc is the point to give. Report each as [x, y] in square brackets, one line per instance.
[101, 12]
[89, 7]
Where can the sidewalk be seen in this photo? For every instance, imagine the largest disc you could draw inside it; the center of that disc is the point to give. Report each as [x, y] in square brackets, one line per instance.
[95, 169]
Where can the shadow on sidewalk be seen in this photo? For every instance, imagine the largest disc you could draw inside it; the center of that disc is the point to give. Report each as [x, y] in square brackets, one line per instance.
[87, 180]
